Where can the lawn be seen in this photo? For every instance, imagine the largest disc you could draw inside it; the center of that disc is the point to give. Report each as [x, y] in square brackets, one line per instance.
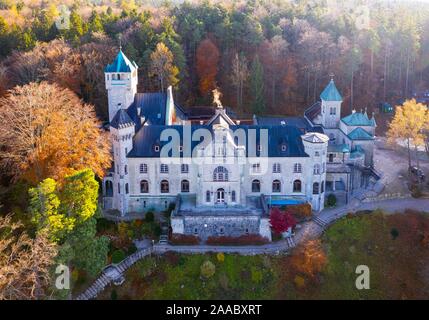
[394, 247]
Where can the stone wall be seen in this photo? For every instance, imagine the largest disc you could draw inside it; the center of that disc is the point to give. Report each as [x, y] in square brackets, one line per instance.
[232, 226]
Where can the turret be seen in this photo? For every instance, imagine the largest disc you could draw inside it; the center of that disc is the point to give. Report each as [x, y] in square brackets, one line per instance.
[122, 131]
[316, 145]
[331, 106]
[121, 83]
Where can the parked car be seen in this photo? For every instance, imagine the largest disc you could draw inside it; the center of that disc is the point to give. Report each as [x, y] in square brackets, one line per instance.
[417, 173]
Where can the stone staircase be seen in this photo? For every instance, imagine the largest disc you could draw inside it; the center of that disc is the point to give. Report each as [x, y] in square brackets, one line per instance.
[113, 273]
[320, 222]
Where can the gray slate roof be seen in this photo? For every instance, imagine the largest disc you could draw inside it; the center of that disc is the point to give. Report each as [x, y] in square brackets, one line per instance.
[149, 136]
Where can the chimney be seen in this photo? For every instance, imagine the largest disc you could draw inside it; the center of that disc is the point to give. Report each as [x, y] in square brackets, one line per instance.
[283, 123]
[201, 122]
[238, 122]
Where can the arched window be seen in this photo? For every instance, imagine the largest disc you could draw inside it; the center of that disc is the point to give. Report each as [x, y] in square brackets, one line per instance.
[277, 186]
[297, 168]
[165, 188]
[143, 168]
[276, 168]
[144, 186]
[316, 188]
[109, 188]
[316, 154]
[184, 168]
[322, 187]
[233, 198]
[316, 169]
[127, 188]
[164, 168]
[184, 187]
[220, 174]
[256, 186]
[207, 196]
[297, 186]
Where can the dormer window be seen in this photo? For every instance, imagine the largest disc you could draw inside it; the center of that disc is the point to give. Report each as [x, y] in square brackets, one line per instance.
[156, 148]
[284, 147]
[259, 147]
[180, 148]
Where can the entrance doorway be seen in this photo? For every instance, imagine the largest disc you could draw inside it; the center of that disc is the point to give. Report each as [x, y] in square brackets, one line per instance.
[220, 196]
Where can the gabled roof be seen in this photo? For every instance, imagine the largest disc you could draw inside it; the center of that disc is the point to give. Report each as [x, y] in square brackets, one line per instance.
[313, 111]
[315, 137]
[330, 93]
[360, 134]
[221, 118]
[121, 64]
[358, 119]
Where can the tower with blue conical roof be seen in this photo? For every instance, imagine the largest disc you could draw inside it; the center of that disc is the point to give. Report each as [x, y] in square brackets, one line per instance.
[121, 83]
[331, 106]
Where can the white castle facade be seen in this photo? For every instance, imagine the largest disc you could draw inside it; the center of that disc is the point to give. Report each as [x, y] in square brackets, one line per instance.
[223, 173]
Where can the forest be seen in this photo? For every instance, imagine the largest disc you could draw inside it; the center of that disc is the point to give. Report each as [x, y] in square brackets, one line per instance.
[271, 57]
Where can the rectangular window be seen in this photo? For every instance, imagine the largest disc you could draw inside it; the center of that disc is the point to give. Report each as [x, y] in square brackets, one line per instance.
[256, 168]
[143, 168]
[185, 168]
[164, 168]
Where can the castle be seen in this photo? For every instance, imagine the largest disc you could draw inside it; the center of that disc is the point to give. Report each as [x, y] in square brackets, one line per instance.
[223, 173]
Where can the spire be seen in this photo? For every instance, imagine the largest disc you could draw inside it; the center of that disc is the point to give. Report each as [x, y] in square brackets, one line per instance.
[330, 93]
[121, 64]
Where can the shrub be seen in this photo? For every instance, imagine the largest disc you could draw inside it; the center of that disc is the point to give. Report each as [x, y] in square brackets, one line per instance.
[256, 274]
[249, 239]
[395, 233]
[220, 257]
[149, 216]
[114, 295]
[332, 200]
[132, 248]
[105, 225]
[118, 256]
[156, 230]
[302, 211]
[184, 239]
[299, 282]
[207, 269]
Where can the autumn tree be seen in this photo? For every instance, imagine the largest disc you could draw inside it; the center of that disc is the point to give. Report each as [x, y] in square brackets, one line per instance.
[281, 221]
[162, 66]
[408, 125]
[309, 258]
[257, 86]
[25, 263]
[207, 65]
[46, 131]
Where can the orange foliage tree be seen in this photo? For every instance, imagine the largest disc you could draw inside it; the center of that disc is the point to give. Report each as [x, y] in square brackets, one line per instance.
[309, 258]
[207, 65]
[46, 131]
